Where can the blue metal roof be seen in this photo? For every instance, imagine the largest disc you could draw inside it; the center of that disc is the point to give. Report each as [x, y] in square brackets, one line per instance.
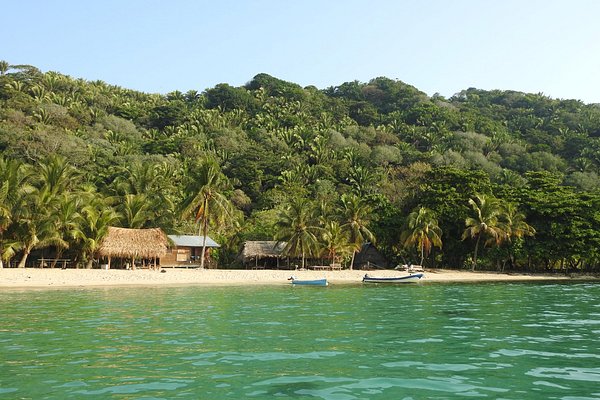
[192, 241]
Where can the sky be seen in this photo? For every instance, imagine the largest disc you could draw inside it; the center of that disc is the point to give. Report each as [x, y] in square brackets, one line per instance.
[438, 46]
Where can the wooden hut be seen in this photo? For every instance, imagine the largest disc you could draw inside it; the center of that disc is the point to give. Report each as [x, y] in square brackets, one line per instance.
[369, 257]
[263, 254]
[131, 244]
[186, 250]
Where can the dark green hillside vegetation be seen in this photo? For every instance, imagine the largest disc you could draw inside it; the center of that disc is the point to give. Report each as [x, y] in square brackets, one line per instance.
[497, 180]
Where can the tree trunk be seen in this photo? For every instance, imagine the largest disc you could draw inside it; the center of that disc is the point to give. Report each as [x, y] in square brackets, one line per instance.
[59, 254]
[203, 233]
[203, 252]
[352, 261]
[475, 255]
[90, 263]
[24, 258]
[422, 254]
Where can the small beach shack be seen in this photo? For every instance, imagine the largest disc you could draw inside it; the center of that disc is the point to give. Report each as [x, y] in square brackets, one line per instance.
[370, 257]
[186, 250]
[144, 245]
[264, 254]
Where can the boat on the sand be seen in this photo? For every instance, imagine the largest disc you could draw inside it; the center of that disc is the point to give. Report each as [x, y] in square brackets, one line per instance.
[308, 282]
[412, 278]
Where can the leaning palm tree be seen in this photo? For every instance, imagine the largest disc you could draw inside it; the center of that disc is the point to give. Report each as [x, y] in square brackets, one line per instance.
[296, 225]
[355, 214]
[423, 231]
[485, 224]
[208, 202]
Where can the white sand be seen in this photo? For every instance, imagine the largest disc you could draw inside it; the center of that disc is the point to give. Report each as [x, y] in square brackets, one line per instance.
[44, 278]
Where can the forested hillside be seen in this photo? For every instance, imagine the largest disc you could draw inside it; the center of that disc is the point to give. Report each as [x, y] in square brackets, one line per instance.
[484, 179]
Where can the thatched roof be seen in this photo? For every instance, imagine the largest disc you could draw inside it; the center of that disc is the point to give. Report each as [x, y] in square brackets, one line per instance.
[262, 249]
[129, 243]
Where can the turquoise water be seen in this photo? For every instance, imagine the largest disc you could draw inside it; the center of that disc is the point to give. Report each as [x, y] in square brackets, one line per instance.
[425, 341]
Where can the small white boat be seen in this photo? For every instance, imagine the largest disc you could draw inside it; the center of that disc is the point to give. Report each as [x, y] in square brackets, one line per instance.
[412, 278]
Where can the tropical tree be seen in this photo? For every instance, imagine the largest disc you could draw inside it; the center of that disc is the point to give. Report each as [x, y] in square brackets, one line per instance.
[355, 216]
[66, 224]
[38, 223]
[514, 225]
[4, 67]
[335, 241]
[485, 223]
[96, 218]
[34, 222]
[297, 226]
[13, 188]
[207, 201]
[423, 231]
[134, 211]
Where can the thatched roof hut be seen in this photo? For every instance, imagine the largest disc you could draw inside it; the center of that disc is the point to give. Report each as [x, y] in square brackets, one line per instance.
[133, 243]
[264, 250]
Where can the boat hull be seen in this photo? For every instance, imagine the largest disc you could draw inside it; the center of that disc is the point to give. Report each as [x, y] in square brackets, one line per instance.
[311, 282]
[412, 278]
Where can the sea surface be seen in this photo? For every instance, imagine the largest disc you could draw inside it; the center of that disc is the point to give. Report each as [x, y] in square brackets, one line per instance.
[421, 341]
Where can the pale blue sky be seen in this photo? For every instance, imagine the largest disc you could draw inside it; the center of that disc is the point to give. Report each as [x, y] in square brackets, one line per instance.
[442, 46]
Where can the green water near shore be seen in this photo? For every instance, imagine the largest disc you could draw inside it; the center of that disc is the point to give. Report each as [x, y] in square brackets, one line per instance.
[434, 341]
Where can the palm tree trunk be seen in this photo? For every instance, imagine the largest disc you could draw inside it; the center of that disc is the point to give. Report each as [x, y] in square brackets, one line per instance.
[204, 229]
[90, 263]
[422, 253]
[352, 261]
[59, 254]
[26, 253]
[203, 252]
[475, 255]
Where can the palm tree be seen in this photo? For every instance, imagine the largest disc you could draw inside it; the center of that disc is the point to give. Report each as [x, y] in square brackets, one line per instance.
[514, 225]
[207, 202]
[34, 222]
[296, 226]
[37, 222]
[355, 214]
[485, 224]
[4, 67]
[96, 217]
[423, 231]
[134, 211]
[13, 187]
[63, 232]
[513, 221]
[335, 241]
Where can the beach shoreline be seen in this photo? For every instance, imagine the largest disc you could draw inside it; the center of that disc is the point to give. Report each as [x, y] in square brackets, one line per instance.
[37, 278]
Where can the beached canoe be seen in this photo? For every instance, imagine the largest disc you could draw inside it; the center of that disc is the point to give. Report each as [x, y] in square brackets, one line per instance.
[308, 282]
[412, 278]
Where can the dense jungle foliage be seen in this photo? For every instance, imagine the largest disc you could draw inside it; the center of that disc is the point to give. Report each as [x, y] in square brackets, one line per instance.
[485, 179]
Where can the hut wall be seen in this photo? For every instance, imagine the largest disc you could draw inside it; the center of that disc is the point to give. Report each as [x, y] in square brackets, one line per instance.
[182, 256]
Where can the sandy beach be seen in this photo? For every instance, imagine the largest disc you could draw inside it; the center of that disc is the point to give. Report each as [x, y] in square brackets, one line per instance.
[47, 278]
